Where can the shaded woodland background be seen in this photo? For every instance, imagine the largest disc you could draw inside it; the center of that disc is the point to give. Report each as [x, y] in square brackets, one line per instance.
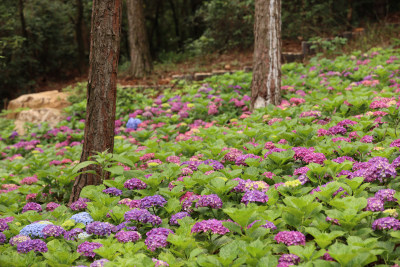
[43, 40]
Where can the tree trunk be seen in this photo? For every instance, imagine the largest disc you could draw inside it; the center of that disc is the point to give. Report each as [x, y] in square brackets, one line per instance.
[101, 88]
[22, 19]
[266, 83]
[141, 64]
[79, 35]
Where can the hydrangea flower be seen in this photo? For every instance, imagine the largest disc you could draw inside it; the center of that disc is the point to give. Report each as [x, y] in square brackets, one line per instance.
[268, 225]
[113, 191]
[127, 236]
[32, 206]
[240, 160]
[290, 259]
[78, 205]
[159, 263]
[72, 234]
[143, 216]
[254, 196]
[135, 183]
[29, 245]
[34, 229]
[152, 201]
[133, 123]
[386, 223]
[100, 228]
[3, 238]
[213, 225]
[156, 241]
[386, 195]
[82, 217]
[18, 239]
[214, 163]
[52, 230]
[212, 201]
[379, 169]
[159, 231]
[375, 204]
[290, 238]
[52, 206]
[174, 218]
[99, 263]
[86, 248]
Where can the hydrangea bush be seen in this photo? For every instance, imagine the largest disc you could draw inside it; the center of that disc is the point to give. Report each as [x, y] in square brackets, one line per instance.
[199, 180]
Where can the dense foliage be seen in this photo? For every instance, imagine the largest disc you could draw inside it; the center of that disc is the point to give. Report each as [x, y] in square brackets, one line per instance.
[198, 180]
[39, 39]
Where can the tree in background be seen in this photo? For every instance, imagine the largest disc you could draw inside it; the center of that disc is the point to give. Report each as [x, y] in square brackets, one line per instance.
[101, 88]
[266, 83]
[141, 64]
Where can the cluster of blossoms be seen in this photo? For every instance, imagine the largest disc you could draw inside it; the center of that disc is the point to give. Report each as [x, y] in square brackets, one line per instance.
[386, 223]
[290, 238]
[3, 238]
[180, 215]
[187, 201]
[376, 169]
[72, 234]
[127, 236]
[143, 216]
[113, 191]
[213, 225]
[213, 201]
[268, 225]
[386, 195]
[288, 259]
[4, 223]
[308, 155]
[254, 196]
[375, 204]
[15, 240]
[135, 183]
[86, 248]
[52, 230]
[34, 229]
[159, 263]
[29, 180]
[152, 201]
[157, 238]
[100, 228]
[29, 245]
[32, 206]
[82, 217]
[99, 263]
[52, 206]
[241, 160]
[80, 204]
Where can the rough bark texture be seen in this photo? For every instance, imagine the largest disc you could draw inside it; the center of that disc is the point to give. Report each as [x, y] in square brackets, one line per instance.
[141, 64]
[266, 83]
[101, 89]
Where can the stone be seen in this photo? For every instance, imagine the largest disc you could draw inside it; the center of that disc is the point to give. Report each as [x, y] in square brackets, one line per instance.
[49, 99]
[220, 72]
[202, 75]
[38, 115]
[288, 57]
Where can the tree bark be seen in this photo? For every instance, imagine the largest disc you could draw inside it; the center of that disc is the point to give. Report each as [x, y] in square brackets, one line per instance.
[22, 19]
[266, 83]
[141, 63]
[101, 88]
[79, 35]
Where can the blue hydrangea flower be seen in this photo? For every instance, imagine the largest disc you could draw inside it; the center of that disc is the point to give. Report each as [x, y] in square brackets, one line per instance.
[133, 123]
[82, 217]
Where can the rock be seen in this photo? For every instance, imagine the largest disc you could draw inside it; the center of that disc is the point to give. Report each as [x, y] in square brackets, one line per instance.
[38, 115]
[288, 57]
[49, 99]
[227, 67]
[187, 77]
[201, 76]
[219, 72]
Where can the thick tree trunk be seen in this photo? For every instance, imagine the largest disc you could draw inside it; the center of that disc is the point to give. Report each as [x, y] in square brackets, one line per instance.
[266, 83]
[101, 88]
[79, 35]
[141, 64]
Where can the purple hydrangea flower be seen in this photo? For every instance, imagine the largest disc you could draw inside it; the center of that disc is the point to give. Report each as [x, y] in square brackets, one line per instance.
[152, 201]
[3, 238]
[268, 225]
[32, 206]
[72, 234]
[213, 225]
[100, 228]
[214, 163]
[192, 164]
[122, 225]
[240, 160]
[159, 263]
[29, 245]
[334, 130]
[78, 205]
[212, 201]
[156, 241]
[52, 230]
[290, 238]
[378, 168]
[290, 259]
[135, 183]
[127, 236]
[143, 216]
[254, 196]
[52, 206]
[98, 263]
[174, 218]
[343, 159]
[82, 217]
[386, 223]
[15, 240]
[113, 191]
[386, 195]
[86, 248]
[159, 231]
[367, 139]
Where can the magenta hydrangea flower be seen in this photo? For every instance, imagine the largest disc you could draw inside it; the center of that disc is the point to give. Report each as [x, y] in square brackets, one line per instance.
[159, 231]
[268, 225]
[367, 139]
[143, 216]
[212, 201]
[174, 159]
[29, 180]
[3, 238]
[159, 263]
[32, 206]
[290, 259]
[78, 205]
[152, 201]
[386, 195]
[254, 196]
[386, 223]
[113, 191]
[100, 228]
[290, 238]
[36, 245]
[156, 241]
[174, 218]
[72, 234]
[213, 225]
[86, 248]
[52, 206]
[98, 263]
[52, 230]
[127, 236]
[378, 169]
[15, 240]
[135, 183]
[240, 160]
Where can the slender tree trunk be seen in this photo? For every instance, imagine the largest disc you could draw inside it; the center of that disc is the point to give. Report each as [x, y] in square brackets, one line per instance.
[79, 35]
[176, 22]
[101, 88]
[141, 64]
[22, 19]
[266, 83]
